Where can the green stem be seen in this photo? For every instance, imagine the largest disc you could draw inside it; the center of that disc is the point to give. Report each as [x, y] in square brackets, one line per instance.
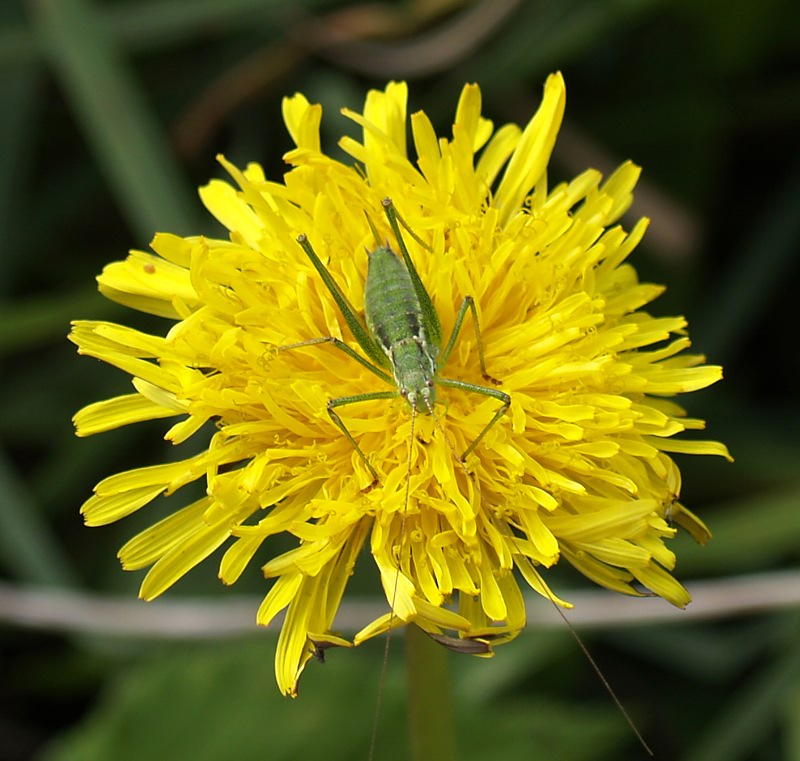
[430, 698]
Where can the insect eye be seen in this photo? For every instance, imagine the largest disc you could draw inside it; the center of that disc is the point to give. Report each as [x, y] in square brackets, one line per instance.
[429, 383]
[403, 392]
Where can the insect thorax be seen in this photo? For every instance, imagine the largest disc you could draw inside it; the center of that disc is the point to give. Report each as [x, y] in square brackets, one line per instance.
[414, 370]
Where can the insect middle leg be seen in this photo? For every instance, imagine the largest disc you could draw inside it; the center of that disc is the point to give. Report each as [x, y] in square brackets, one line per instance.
[485, 391]
[501, 396]
[345, 400]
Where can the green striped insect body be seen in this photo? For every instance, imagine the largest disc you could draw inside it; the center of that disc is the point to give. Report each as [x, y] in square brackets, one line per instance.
[401, 336]
[395, 320]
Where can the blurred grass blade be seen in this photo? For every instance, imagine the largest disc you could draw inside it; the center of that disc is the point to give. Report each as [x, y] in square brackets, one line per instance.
[791, 715]
[30, 549]
[546, 35]
[17, 45]
[764, 261]
[749, 717]
[19, 94]
[123, 132]
[31, 322]
[150, 712]
[164, 23]
[155, 24]
[749, 534]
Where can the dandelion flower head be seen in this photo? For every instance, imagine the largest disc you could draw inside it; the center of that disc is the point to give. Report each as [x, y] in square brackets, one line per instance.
[579, 468]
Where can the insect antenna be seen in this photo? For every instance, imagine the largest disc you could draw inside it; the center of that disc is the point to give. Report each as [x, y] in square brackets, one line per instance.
[606, 684]
[391, 210]
[373, 229]
[387, 647]
[592, 662]
[452, 447]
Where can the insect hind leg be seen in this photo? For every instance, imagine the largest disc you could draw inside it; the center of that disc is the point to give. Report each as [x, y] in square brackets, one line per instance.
[342, 401]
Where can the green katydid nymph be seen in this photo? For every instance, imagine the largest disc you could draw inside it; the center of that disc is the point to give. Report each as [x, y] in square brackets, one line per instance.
[401, 336]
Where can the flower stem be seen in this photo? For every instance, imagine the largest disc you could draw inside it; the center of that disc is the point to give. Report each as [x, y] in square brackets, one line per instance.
[430, 698]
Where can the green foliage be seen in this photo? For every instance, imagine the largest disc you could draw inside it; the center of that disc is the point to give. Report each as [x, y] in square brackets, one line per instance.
[112, 114]
[155, 707]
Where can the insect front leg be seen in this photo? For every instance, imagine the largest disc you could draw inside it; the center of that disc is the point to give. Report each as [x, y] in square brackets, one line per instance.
[501, 396]
[345, 400]
[467, 303]
[485, 391]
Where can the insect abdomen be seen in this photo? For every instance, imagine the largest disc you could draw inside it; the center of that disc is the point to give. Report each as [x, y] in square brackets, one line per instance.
[395, 319]
[391, 308]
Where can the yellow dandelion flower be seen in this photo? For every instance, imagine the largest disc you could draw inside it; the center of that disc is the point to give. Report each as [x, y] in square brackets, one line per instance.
[579, 466]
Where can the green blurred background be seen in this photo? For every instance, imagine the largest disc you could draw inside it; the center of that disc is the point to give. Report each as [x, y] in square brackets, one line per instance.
[112, 113]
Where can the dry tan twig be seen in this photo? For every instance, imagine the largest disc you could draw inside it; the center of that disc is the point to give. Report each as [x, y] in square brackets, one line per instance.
[350, 38]
[674, 233]
[72, 612]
